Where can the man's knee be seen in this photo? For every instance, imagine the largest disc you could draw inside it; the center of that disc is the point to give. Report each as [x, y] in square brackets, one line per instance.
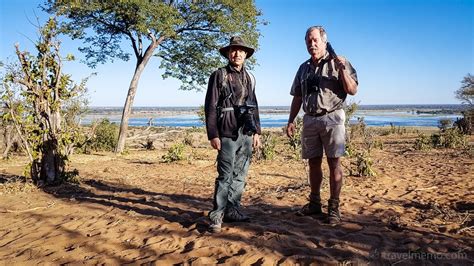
[315, 162]
[334, 163]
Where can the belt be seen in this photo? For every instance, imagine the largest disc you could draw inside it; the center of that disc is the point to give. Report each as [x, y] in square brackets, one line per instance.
[322, 113]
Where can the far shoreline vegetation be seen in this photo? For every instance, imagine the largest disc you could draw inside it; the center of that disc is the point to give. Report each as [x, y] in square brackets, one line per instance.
[434, 109]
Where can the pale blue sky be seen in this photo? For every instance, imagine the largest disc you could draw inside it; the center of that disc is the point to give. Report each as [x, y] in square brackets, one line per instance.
[405, 51]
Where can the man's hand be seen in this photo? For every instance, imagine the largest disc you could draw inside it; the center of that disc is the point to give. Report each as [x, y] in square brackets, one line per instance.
[350, 85]
[340, 63]
[256, 141]
[290, 130]
[216, 143]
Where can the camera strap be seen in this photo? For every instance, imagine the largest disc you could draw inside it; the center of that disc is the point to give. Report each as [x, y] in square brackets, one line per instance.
[226, 93]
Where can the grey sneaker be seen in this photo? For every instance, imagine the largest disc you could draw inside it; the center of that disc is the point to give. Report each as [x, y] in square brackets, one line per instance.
[216, 225]
[235, 215]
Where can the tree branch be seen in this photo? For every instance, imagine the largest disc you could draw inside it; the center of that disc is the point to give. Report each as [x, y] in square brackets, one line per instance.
[26, 145]
[196, 29]
[140, 44]
[134, 45]
[24, 66]
[112, 26]
[58, 73]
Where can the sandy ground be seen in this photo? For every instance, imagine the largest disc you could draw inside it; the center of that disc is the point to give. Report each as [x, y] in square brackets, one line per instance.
[133, 208]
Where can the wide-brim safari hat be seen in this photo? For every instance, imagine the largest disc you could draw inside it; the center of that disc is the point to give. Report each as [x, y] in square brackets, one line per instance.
[236, 41]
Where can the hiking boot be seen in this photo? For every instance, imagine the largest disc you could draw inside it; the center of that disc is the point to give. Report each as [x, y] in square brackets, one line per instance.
[334, 217]
[216, 225]
[235, 215]
[313, 207]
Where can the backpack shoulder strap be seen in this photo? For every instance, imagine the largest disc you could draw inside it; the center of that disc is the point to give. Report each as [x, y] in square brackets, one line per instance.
[223, 80]
[224, 91]
[252, 80]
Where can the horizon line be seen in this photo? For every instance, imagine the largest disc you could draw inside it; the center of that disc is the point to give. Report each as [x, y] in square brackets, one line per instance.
[187, 106]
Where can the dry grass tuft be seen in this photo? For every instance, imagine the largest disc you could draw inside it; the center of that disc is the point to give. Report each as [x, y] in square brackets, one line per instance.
[17, 185]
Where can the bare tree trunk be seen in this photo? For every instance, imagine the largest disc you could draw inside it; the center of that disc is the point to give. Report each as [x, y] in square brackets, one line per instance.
[8, 139]
[52, 163]
[127, 109]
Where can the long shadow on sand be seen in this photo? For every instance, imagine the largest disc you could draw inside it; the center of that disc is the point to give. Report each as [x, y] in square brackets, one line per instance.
[303, 240]
[4, 178]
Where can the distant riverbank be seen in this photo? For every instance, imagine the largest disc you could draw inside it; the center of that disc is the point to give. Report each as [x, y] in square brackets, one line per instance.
[277, 116]
[177, 110]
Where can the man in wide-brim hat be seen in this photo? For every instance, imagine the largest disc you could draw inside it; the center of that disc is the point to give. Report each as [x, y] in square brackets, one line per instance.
[237, 42]
[233, 129]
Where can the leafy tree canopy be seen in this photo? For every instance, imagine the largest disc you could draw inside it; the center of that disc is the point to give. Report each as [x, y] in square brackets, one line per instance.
[466, 93]
[187, 34]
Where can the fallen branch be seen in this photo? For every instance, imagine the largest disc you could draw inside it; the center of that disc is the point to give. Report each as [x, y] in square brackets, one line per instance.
[465, 229]
[427, 188]
[27, 210]
[140, 136]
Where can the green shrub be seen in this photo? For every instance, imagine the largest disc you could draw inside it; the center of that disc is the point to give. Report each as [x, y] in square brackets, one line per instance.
[362, 166]
[392, 128]
[175, 153]
[295, 140]
[105, 137]
[195, 129]
[350, 149]
[358, 129]
[350, 110]
[423, 143]
[444, 124]
[466, 123]
[385, 132]
[72, 177]
[378, 144]
[267, 151]
[450, 138]
[202, 114]
[188, 139]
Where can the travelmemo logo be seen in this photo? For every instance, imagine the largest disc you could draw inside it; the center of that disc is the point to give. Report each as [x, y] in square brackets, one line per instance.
[402, 256]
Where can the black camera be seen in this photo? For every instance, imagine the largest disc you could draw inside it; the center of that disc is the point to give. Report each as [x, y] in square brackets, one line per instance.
[246, 119]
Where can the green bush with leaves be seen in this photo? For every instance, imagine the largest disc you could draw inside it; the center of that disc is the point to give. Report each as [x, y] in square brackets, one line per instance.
[444, 124]
[202, 114]
[188, 139]
[423, 143]
[466, 123]
[450, 138]
[350, 149]
[295, 140]
[378, 144]
[43, 104]
[358, 129]
[393, 129]
[350, 110]
[362, 165]
[106, 135]
[175, 153]
[267, 151]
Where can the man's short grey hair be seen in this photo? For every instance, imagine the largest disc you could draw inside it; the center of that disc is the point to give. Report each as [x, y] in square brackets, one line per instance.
[321, 30]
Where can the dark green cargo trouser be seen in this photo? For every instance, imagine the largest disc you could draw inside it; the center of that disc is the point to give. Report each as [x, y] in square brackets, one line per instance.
[233, 162]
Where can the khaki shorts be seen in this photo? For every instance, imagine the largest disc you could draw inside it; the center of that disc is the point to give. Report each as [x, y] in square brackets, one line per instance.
[323, 133]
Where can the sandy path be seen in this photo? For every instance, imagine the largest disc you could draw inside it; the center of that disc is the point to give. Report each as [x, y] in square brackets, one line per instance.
[134, 209]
